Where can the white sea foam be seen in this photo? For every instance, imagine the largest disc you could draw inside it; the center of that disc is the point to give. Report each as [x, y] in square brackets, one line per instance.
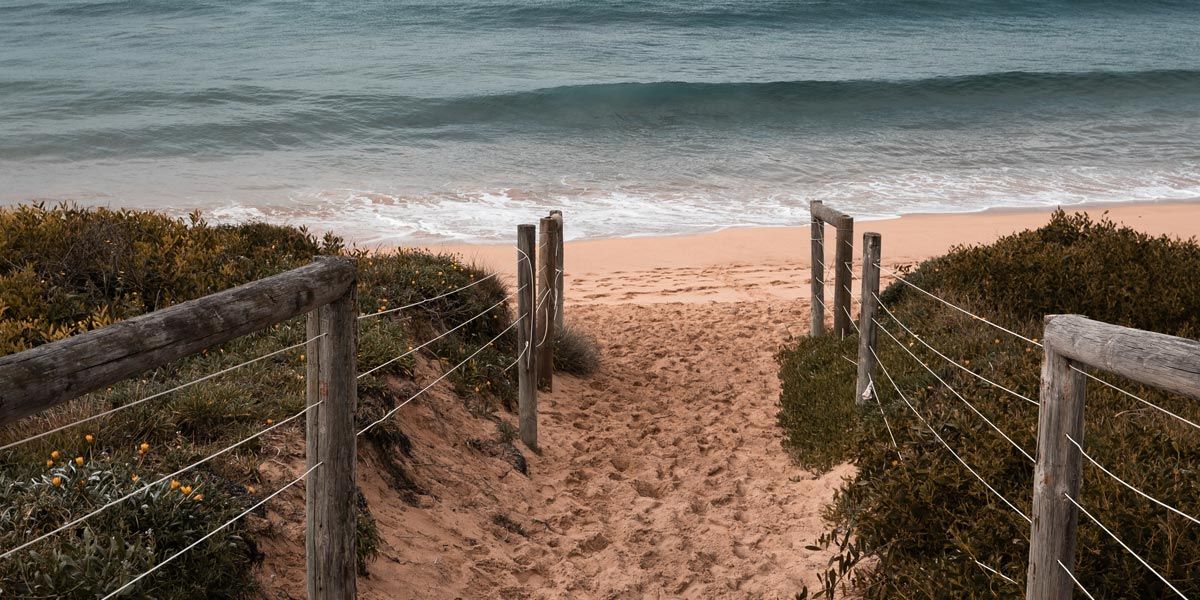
[373, 218]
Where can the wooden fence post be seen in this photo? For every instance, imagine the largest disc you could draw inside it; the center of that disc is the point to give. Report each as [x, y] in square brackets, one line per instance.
[331, 441]
[559, 273]
[1058, 472]
[872, 247]
[843, 275]
[526, 335]
[546, 293]
[818, 273]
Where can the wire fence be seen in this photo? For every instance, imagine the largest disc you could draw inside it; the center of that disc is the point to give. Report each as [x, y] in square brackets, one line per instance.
[309, 410]
[961, 366]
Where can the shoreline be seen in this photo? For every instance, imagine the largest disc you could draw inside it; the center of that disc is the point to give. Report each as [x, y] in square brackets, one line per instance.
[908, 238]
[1090, 207]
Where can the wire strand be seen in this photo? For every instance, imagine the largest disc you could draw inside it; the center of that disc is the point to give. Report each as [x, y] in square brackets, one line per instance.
[956, 307]
[393, 411]
[944, 444]
[212, 533]
[879, 403]
[1136, 397]
[150, 485]
[1126, 484]
[1077, 584]
[157, 394]
[996, 572]
[444, 334]
[951, 360]
[955, 392]
[1127, 549]
[427, 300]
[519, 357]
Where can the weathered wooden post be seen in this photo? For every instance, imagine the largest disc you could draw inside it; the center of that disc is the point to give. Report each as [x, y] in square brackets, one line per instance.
[559, 274]
[818, 271]
[330, 492]
[1057, 473]
[872, 250]
[526, 335]
[546, 303]
[843, 275]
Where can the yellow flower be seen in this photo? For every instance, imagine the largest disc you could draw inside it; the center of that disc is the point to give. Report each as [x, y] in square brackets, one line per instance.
[79, 460]
[57, 481]
[250, 489]
[144, 448]
[270, 421]
[88, 438]
[49, 463]
[134, 477]
[198, 497]
[54, 455]
[174, 484]
[187, 489]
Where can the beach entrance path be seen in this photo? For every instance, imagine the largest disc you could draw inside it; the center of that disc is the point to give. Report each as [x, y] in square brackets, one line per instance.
[664, 473]
[661, 476]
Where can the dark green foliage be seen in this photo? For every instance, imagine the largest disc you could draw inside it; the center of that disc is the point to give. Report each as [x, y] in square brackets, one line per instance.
[925, 519]
[367, 538]
[818, 412]
[121, 544]
[576, 352]
[67, 270]
[1080, 265]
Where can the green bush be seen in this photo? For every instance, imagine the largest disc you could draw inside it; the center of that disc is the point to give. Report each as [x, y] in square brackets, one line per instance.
[67, 270]
[118, 545]
[924, 519]
[818, 437]
[576, 352]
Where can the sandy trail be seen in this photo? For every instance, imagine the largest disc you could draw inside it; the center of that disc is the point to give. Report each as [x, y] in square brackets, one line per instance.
[666, 474]
[662, 476]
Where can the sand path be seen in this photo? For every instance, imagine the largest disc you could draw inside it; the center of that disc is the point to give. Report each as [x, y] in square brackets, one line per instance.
[665, 472]
[662, 476]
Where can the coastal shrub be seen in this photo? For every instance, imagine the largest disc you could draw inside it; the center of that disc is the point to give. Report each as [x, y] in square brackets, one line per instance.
[818, 437]
[67, 270]
[576, 352]
[918, 514]
[119, 544]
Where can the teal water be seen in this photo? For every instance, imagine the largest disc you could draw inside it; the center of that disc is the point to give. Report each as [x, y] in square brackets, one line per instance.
[423, 121]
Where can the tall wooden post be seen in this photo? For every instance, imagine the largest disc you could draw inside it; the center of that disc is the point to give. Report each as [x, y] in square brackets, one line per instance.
[818, 272]
[546, 302]
[559, 274]
[330, 493]
[1058, 472]
[872, 248]
[526, 335]
[843, 275]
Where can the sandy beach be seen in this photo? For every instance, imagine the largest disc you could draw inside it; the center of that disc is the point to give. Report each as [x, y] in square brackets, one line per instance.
[662, 476]
[773, 263]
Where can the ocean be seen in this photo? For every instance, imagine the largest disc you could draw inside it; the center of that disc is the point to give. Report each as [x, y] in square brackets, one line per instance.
[422, 121]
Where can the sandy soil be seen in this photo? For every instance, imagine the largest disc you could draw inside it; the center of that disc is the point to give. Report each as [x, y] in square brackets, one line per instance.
[660, 477]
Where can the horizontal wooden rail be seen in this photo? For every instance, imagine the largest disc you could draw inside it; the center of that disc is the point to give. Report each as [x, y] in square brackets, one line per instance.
[1153, 359]
[827, 214]
[37, 379]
